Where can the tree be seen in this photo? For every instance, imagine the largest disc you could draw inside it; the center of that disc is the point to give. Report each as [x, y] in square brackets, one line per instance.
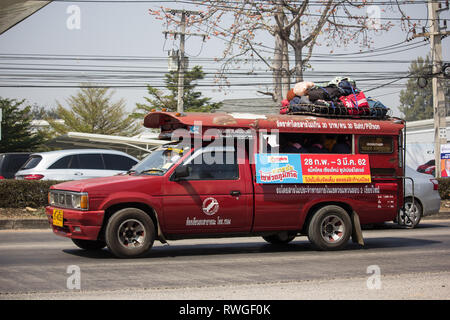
[193, 100]
[416, 103]
[17, 133]
[92, 111]
[294, 25]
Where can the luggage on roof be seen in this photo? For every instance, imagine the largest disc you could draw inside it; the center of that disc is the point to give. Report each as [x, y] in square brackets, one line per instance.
[339, 97]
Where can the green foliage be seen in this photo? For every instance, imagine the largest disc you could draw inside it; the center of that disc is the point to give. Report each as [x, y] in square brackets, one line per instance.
[92, 111]
[193, 100]
[23, 193]
[417, 103]
[444, 188]
[17, 134]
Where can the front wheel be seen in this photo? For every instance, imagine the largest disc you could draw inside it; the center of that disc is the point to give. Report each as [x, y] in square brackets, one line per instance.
[330, 228]
[130, 233]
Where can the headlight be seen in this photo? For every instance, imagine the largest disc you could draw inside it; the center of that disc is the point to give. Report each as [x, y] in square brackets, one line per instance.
[79, 201]
[68, 199]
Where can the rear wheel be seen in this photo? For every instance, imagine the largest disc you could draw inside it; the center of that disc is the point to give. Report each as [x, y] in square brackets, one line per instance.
[280, 238]
[130, 233]
[89, 244]
[330, 228]
[411, 216]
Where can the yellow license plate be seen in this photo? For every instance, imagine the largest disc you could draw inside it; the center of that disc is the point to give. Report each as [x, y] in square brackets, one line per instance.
[58, 217]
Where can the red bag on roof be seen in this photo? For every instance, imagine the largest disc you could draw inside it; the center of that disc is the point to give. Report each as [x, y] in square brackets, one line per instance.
[356, 103]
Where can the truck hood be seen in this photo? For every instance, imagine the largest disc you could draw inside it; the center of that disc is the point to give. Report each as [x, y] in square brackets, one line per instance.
[103, 186]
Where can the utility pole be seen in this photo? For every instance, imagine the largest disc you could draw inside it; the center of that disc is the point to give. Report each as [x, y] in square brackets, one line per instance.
[440, 125]
[181, 58]
[180, 104]
[435, 35]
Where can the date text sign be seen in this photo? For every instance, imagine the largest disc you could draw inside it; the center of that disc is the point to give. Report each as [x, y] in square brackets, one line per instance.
[312, 168]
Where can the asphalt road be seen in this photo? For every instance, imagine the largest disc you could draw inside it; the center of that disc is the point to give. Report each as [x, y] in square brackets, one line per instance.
[412, 264]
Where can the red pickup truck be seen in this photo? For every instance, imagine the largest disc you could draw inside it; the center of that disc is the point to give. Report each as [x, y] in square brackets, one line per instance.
[224, 175]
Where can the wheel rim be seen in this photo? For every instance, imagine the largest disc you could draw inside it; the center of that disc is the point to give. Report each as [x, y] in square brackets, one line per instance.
[131, 234]
[332, 229]
[411, 214]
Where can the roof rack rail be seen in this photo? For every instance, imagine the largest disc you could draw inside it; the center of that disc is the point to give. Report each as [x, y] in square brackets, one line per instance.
[340, 112]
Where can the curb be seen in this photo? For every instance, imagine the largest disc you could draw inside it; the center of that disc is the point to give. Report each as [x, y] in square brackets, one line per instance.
[8, 224]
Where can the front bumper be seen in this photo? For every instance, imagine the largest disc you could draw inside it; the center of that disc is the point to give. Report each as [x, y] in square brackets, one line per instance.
[77, 224]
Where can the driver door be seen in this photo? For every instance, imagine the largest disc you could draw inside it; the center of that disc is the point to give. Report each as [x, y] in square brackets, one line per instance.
[213, 198]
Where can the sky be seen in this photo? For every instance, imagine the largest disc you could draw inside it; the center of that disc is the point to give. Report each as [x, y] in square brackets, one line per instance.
[129, 43]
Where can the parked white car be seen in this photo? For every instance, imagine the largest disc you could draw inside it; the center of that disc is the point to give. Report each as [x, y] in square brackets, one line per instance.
[75, 164]
[427, 200]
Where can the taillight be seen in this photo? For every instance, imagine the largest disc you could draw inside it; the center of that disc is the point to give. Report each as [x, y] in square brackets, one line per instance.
[435, 184]
[2, 177]
[33, 177]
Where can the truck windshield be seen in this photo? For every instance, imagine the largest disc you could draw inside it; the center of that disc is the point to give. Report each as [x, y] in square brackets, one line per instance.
[160, 160]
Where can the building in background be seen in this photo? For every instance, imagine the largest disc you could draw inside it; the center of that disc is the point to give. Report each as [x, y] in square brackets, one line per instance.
[420, 141]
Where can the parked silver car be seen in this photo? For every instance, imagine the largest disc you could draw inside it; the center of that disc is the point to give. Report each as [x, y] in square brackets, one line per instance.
[75, 164]
[426, 200]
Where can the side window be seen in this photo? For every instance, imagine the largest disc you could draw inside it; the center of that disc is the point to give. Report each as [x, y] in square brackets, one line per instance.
[62, 163]
[74, 163]
[225, 168]
[15, 162]
[31, 163]
[379, 144]
[118, 162]
[316, 143]
[91, 161]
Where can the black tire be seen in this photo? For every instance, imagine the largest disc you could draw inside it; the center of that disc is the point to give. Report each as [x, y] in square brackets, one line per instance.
[417, 211]
[280, 238]
[90, 245]
[130, 233]
[330, 228]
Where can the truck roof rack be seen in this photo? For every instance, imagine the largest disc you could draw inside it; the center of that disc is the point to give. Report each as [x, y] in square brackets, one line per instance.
[340, 112]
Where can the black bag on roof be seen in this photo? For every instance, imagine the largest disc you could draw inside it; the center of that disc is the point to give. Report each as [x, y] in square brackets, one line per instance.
[325, 93]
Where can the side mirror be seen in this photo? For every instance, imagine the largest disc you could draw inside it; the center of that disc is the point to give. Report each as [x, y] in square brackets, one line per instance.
[181, 171]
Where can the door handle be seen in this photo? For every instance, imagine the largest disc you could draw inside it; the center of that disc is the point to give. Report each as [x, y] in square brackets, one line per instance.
[235, 193]
[78, 173]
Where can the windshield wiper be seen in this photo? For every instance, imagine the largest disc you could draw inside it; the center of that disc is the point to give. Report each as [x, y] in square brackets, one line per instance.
[152, 169]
